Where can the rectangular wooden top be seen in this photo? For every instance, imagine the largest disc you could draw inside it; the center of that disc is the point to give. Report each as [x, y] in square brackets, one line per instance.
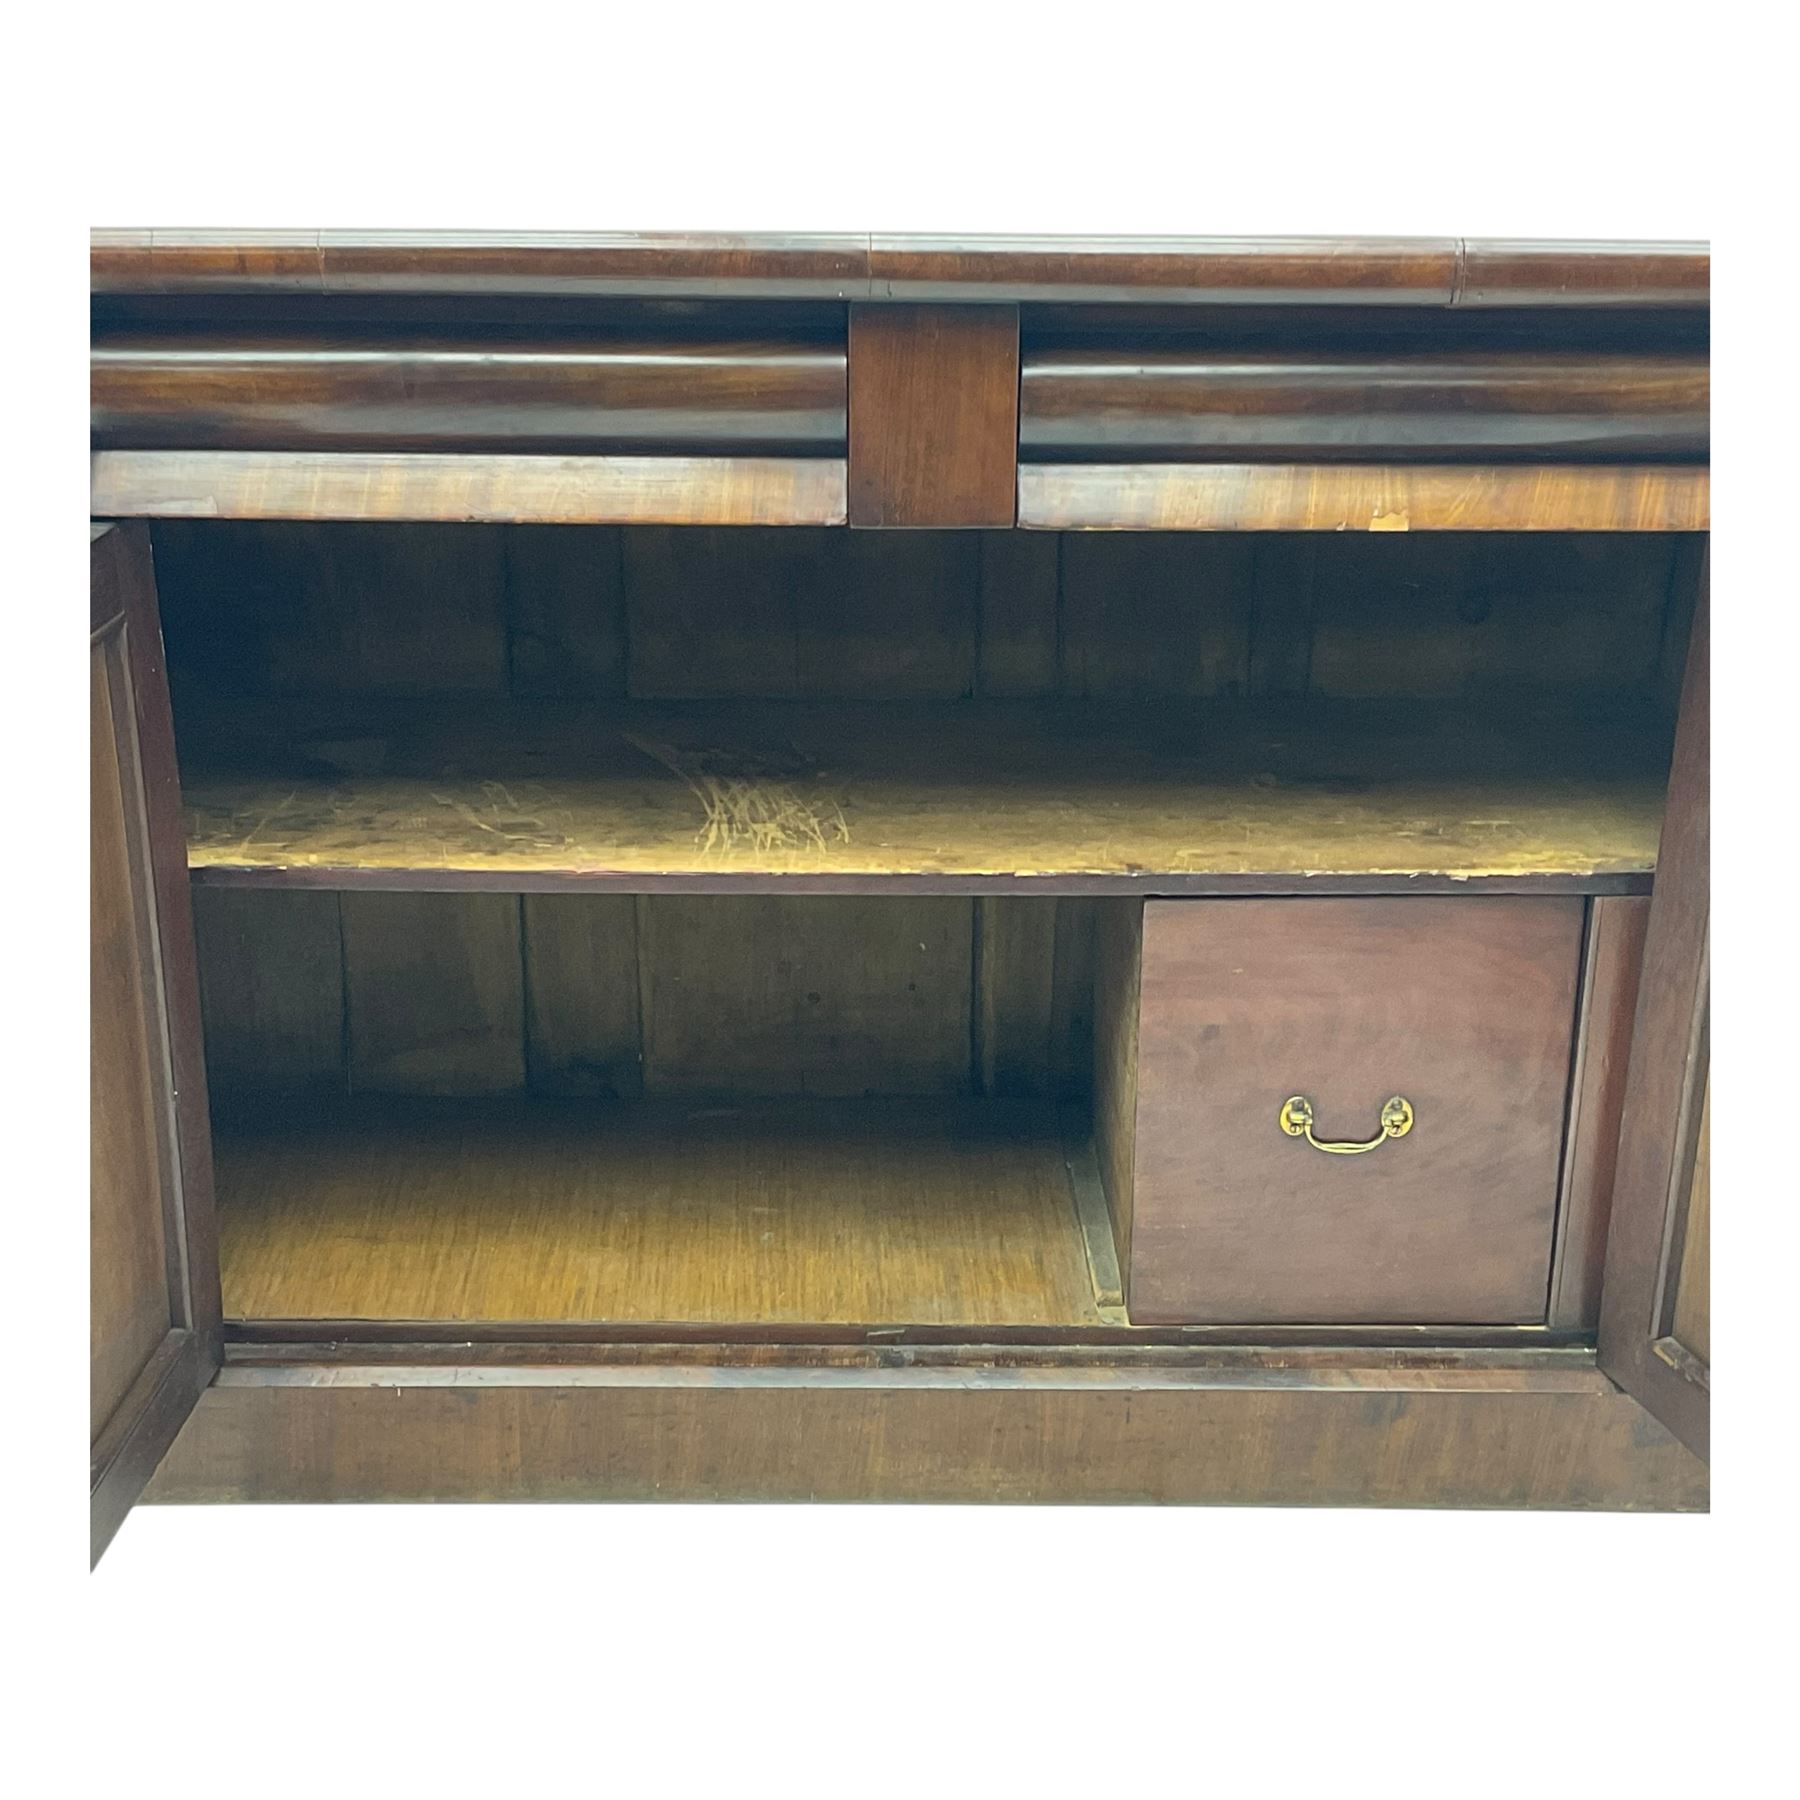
[1385, 271]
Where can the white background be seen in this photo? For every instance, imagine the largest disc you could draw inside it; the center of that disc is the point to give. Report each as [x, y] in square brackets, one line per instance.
[678, 1650]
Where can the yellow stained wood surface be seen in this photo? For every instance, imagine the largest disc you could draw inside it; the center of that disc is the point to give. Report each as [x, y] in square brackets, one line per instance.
[879, 1212]
[494, 789]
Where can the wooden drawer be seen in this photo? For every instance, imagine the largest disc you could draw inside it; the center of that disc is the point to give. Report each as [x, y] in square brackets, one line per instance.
[1464, 1006]
[369, 389]
[1178, 401]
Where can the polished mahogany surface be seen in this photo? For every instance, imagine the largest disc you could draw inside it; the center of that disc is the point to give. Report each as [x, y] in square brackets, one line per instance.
[222, 388]
[1429, 271]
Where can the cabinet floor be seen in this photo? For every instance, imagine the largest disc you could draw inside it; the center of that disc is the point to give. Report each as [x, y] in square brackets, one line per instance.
[874, 1212]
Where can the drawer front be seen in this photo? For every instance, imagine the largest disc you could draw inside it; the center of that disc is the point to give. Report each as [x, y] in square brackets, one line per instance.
[370, 390]
[1465, 1007]
[1147, 403]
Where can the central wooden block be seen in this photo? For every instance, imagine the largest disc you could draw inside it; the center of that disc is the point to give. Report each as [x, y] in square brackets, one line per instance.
[934, 415]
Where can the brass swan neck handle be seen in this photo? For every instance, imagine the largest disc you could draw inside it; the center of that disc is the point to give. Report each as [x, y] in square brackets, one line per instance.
[1297, 1121]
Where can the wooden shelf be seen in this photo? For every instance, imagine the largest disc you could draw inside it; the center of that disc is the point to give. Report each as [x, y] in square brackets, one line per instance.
[952, 798]
[864, 1212]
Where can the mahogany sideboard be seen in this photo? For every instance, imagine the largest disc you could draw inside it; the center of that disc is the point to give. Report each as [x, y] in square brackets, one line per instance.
[843, 867]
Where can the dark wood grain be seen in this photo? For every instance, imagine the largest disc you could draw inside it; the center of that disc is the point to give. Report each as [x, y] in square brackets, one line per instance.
[1150, 402]
[1465, 1006]
[584, 263]
[1321, 349]
[1194, 271]
[434, 995]
[239, 260]
[137, 1437]
[1395, 271]
[686, 612]
[1362, 497]
[1564, 273]
[1611, 963]
[272, 989]
[1442, 614]
[129, 1149]
[624, 995]
[368, 607]
[552, 318]
[1156, 615]
[584, 1024]
[1666, 1090]
[745, 995]
[154, 1324]
[203, 390]
[846, 615]
[1366, 1434]
[934, 415]
[1690, 1323]
[1333, 328]
[497, 489]
[1012, 1012]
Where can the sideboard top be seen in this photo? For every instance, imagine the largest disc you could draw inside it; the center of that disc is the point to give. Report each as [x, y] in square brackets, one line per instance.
[1199, 271]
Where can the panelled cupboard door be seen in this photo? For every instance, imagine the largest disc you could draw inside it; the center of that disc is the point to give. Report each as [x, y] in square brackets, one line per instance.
[1655, 1312]
[153, 1260]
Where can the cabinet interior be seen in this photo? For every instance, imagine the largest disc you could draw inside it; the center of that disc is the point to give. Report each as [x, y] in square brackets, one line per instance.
[686, 1108]
[691, 926]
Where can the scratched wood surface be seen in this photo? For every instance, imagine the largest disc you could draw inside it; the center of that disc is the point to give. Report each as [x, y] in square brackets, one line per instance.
[466, 793]
[930, 1212]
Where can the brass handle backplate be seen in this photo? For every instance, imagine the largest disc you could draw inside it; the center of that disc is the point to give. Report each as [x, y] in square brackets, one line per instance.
[1297, 1121]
